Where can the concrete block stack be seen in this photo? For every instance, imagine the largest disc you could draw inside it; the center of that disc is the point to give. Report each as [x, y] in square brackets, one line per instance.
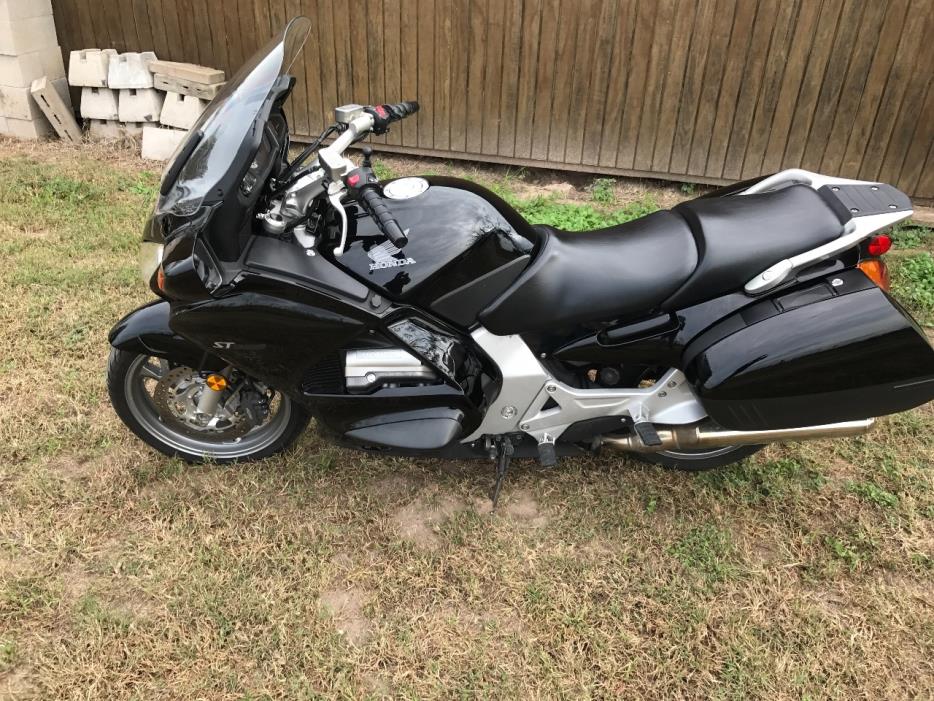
[188, 89]
[29, 52]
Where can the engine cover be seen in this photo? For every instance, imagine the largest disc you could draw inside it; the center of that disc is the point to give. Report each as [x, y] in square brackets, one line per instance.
[366, 370]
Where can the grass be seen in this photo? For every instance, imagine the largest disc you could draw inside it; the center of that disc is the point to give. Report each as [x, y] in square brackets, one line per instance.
[803, 572]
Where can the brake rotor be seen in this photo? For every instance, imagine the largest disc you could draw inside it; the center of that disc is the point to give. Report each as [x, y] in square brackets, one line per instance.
[176, 400]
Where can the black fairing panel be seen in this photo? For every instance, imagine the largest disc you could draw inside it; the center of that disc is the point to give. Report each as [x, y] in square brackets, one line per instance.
[458, 232]
[601, 275]
[739, 237]
[841, 358]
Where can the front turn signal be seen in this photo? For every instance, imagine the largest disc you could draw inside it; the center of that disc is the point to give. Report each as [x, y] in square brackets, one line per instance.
[876, 270]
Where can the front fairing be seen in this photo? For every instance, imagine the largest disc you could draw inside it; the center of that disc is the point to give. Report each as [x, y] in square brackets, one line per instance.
[220, 168]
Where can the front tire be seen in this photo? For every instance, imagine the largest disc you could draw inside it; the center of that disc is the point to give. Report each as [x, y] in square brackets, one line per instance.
[130, 380]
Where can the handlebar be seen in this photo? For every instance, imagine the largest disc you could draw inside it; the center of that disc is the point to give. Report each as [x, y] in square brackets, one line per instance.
[374, 205]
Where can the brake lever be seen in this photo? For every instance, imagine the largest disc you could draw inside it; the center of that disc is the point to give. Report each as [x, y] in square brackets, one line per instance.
[335, 192]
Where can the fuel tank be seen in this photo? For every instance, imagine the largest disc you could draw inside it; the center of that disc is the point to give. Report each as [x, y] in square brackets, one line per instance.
[466, 246]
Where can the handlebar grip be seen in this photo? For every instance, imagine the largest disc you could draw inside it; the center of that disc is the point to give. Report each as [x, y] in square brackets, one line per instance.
[375, 206]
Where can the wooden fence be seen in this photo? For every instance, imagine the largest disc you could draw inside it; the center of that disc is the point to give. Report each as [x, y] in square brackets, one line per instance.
[688, 90]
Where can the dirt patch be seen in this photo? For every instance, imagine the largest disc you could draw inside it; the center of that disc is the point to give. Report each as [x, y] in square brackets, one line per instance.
[419, 521]
[345, 606]
[17, 684]
[521, 506]
[394, 485]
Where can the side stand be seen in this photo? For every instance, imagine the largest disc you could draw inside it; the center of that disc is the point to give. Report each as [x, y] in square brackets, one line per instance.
[504, 452]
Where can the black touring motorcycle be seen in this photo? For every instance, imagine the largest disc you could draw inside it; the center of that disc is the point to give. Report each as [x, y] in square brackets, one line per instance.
[424, 316]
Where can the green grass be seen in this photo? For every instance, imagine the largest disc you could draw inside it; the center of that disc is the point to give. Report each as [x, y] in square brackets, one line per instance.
[803, 572]
[913, 284]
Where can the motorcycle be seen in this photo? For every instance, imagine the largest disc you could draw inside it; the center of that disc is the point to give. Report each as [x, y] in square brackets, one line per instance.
[425, 316]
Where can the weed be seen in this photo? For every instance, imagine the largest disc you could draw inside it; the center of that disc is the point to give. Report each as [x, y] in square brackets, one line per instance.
[603, 191]
[843, 551]
[911, 236]
[913, 284]
[383, 170]
[7, 654]
[688, 189]
[867, 491]
[706, 550]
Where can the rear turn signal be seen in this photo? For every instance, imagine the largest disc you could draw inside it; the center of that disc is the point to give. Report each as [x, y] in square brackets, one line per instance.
[875, 270]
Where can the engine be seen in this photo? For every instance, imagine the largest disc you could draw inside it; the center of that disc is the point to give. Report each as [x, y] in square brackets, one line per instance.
[370, 369]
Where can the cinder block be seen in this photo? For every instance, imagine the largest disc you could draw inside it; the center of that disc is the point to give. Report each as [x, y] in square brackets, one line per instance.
[130, 71]
[140, 105]
[99, 103]
[188, 72]
[21, 36]
[89, 68]
[28, 128]
[24, 9]
[20, 71]
[159, 143]
[18, 103]
[184, 87]
[57, 108]
[111, 130]
[181, 111]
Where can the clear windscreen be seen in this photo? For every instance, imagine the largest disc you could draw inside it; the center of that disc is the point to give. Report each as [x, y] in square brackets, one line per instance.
[214, 141]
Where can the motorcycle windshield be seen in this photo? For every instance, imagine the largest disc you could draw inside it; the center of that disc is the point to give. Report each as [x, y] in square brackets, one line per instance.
[213, 143]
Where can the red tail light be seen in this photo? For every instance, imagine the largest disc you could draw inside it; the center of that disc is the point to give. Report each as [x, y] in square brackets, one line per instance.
[878, 245]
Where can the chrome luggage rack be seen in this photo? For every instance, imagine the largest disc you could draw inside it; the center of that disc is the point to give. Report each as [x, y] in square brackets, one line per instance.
[895, 207]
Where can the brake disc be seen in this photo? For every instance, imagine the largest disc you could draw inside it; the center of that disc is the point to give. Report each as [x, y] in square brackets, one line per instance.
[176, 400]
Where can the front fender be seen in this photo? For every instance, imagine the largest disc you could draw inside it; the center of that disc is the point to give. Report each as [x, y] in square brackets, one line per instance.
[146, 330]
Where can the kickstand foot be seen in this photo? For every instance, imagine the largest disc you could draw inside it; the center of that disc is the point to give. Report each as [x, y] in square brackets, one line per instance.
[504, 453]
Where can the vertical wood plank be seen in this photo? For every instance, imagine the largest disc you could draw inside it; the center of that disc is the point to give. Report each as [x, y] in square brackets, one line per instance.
[460, 33]
[509, 95]
[581, 80]
[713, 79]
[659, 66]
[913, 52]
[392, 62]
[810, 85]
[544, 98]
[915, 153]
[591, 129]
[493, 77]
[771, 86]
[736, 62]
[618, 83]
[692, 87]
[327, 64]
[426, 72]
[441, 113]
[681, 33]
[310, 61]
[844, 44]
[160, 42]
[409, 55]
[865, 114]
[343, 68]
[753, 77]
[564, 76]
[376, 79]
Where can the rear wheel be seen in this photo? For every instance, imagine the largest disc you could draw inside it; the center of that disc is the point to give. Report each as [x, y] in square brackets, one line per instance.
[698, 460]
[159, 401]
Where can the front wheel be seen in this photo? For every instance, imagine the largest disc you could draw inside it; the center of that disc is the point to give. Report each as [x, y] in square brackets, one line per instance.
[160, 401]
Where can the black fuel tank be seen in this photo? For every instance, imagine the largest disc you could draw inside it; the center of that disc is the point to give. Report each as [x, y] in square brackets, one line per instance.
[466, 245]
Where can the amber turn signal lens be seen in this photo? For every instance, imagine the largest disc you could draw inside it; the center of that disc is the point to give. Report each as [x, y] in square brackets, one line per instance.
[216, 382]
[876, 270]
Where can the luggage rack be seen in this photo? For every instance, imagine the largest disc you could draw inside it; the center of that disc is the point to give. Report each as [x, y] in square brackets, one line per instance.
[870, 207]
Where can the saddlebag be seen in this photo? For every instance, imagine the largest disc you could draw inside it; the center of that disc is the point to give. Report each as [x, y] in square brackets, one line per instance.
[838, 350]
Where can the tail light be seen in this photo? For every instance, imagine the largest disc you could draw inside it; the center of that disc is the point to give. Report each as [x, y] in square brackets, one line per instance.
[879, 245]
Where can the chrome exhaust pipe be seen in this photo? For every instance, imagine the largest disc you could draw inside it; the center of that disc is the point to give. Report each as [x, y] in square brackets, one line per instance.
[698, 437]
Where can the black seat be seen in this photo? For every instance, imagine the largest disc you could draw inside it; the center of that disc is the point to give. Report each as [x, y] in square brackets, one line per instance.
[597, 275]
[739, 237]
[666, 261]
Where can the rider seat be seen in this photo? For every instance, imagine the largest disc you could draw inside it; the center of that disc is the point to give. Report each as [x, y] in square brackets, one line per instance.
[665, 261]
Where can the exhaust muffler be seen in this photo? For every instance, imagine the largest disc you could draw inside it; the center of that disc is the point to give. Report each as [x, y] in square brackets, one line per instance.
[698, 437]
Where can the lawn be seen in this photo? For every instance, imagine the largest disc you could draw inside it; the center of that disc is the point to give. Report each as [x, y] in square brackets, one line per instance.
[805, 572]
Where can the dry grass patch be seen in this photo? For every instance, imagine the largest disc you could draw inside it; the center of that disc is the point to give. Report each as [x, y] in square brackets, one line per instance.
[804, 572]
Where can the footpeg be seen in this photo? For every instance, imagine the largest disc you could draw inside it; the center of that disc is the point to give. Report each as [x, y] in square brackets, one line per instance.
[547, 455]
[647, 433]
